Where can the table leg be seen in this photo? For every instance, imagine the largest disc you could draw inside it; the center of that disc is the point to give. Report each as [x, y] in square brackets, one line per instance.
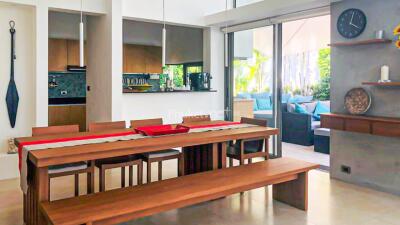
[223, 155]
[214, 156]
[42, 189]
[294, 193]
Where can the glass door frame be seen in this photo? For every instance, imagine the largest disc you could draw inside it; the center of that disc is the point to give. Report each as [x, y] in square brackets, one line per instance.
[276, 86]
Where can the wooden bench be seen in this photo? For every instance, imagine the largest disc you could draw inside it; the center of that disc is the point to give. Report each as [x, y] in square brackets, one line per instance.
[288, 177]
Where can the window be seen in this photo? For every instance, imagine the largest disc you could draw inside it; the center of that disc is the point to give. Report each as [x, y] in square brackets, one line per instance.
[180, 72]
[239, 3]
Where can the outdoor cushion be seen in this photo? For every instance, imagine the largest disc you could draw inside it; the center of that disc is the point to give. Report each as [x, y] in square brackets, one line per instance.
[300, 109]
[315, 125]
[286, 97]
[243, 96]
[265, 95]
[264, 103]
[319, 109]
[301, 99]
[290, 107]
[322, 132]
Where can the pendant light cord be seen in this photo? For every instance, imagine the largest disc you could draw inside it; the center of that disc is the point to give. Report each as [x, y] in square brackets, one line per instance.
[81, 11]
[163, 12]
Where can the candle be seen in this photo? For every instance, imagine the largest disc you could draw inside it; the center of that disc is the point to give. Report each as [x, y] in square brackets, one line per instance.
[385, 73]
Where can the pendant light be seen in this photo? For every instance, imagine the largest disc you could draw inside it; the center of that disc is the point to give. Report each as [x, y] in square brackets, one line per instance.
[81, 41]
[164, 37]
[226, 59]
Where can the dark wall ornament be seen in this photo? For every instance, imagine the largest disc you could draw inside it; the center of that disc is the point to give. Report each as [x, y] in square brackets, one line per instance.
[12, 98]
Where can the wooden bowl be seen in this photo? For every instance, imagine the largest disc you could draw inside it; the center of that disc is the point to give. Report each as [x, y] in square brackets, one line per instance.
[357, 101]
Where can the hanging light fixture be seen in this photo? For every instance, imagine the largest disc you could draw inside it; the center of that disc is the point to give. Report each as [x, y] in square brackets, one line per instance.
[81, 41]
[164, 37]
[226, 35]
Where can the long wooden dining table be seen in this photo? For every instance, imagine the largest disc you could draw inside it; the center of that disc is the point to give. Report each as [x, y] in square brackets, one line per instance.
[203, 151]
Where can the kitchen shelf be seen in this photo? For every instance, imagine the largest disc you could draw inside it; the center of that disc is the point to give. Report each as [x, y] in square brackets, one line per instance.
[380, 126]
[382, 84]
[364, 42]
[128, 91]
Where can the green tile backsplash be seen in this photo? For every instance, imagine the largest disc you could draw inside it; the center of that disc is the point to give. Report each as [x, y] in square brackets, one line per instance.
[70, 85]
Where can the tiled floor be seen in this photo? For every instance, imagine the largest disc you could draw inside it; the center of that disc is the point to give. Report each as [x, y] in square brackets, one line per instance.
[331, 202]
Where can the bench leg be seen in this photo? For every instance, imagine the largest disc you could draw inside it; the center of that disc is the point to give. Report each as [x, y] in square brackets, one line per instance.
[294, 193]
[140, 173]
[123, 177]
[76, 184]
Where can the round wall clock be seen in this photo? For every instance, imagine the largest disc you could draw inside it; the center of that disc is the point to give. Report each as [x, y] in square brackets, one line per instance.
[351, 23]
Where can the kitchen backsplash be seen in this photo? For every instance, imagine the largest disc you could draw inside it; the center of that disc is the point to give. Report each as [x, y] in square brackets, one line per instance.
[151, 79]
[67, 85]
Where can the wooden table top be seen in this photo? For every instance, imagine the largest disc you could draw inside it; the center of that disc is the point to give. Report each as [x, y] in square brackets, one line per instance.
[62, 155]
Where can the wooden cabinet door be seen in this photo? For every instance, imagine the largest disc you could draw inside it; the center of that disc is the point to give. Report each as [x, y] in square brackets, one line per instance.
[68, 115]
[134, 59]
[73, 53]
[153, 59]
[58, 54]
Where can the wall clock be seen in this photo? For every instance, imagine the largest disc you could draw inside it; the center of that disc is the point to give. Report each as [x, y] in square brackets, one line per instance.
[351, 23]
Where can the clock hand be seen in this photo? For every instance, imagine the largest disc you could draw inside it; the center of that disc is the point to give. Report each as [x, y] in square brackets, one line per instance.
[352, 16]
[355, 25]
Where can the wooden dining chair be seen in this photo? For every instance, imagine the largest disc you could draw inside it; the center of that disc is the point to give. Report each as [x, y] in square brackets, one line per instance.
[198, 118]
[70, 168]
[116, 162]
[158, 156]
[249, 148]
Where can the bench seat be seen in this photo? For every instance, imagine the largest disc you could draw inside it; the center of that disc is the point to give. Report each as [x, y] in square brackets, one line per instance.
[288, 176]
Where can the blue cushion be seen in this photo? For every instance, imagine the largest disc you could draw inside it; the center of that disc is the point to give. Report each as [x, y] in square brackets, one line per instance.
[301, 99]
[319, 109]
[261, 95]
[264, 103]
[244, 96]
[300, 109]
[286, 97]
[255, 106]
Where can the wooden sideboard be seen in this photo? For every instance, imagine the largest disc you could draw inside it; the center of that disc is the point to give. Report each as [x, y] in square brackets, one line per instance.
[381, 126]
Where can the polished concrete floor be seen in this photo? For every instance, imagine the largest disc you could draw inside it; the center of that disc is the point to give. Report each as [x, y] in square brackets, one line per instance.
[331, 202]
[305, 153]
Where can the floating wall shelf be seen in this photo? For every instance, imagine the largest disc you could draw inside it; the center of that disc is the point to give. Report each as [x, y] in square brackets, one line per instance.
[382, 84]
[364, 42]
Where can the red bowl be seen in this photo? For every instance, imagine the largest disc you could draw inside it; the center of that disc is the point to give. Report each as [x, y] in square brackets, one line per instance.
[162, 130]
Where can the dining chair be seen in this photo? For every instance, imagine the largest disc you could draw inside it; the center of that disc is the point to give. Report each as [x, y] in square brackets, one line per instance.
[158, 156]
[198, 118]
[70, 168]
[249, 148]
[116, 162]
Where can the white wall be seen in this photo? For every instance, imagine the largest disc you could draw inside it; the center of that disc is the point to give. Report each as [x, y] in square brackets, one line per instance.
[189, 12]
[184, 44]
[65, 25]
[24, 70]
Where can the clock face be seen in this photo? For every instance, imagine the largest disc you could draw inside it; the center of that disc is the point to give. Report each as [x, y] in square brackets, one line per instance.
[351, 23]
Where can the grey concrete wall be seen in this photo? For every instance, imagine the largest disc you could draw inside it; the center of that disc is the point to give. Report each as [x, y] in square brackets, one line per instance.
[375, 161]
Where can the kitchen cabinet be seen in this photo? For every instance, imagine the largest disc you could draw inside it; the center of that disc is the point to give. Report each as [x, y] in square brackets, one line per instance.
[58, 55]
[142, 59]
[63, 52]
[68, 115]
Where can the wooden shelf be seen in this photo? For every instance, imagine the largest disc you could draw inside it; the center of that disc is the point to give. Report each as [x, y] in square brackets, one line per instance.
[381, 126]
[364, 42]
[382, 84]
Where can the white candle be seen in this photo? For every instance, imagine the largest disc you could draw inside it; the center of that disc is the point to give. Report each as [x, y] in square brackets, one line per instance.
[384, 73]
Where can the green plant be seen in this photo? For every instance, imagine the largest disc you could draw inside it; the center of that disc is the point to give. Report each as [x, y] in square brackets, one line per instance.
[255, 73]
[321, 91]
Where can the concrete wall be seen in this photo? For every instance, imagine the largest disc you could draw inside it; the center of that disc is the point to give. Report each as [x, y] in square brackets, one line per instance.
[375, 161]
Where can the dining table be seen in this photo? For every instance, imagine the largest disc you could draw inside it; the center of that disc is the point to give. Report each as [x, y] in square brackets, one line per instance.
[204, 148]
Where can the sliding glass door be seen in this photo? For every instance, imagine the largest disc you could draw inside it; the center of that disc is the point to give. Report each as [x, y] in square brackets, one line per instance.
[253, 77]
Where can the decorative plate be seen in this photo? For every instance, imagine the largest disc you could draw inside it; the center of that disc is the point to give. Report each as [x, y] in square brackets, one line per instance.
[357, 101]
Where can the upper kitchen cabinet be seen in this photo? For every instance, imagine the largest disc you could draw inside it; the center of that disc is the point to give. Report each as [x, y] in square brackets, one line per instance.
[63, 52]
[58, 54]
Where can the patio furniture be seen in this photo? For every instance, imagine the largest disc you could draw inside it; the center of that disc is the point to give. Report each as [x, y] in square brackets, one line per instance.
[322, 140]
[158, 156]
[70, 168]
[248, 148]
[117, 162]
